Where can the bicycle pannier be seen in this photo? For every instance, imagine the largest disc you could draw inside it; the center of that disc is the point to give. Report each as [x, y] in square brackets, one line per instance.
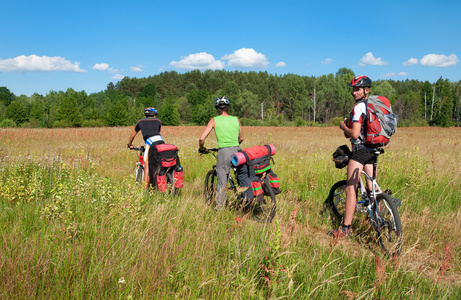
[178, 177]
[381, 122]
[274, 181]
[167, 154]
[257, 160]
[161, 183]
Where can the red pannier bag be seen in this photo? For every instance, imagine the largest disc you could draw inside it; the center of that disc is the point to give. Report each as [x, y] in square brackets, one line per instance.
[167, 154]
[178, 183]
[161, 183]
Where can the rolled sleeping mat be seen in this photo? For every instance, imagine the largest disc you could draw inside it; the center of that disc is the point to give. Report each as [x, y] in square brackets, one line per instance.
[240, 159]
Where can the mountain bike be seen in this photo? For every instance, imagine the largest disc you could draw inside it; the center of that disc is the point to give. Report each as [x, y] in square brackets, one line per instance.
[261, 211]
[380, 208]
[139, 172]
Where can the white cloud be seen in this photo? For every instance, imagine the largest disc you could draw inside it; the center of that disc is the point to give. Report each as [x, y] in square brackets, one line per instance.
[439, 60]
[201, 61]
[369, 59]
[35, 63]
[118, 76]
[411, 61]
[403, 74]
[280, 64]
[388, 74]
[327, 61]
[136, 69]
[247, 58]
[104, 67]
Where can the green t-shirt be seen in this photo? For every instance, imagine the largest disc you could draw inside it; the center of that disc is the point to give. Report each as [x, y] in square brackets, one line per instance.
[227, 131]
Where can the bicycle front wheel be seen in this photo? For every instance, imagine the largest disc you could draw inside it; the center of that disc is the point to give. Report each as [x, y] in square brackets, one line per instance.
[389, 227]
[139, 173]
[211, 182]
[264, 211]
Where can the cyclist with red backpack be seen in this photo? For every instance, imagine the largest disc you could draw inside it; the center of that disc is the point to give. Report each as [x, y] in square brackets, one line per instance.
[229, 135]
[361, 159]
[150, 128]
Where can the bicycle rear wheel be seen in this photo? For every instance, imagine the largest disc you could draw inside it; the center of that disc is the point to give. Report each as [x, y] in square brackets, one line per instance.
[139, 173]
[264, 211]
[337, 200]
[211, 182]
[170, 183]
[389, 227]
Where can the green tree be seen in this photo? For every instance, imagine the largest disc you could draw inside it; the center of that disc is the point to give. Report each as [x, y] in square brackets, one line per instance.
[411, 109]
[16, 112]
[38, 114]
[203, 113]
[444, 109]
[384, 88]
[117, 114]
[231, 90]
[168, 113]
[6, 96]
[294, 95]
[68, 112]
[426, 99]
[247, 105]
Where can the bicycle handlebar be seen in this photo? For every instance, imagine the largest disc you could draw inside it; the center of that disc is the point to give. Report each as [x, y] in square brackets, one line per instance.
[137, 148]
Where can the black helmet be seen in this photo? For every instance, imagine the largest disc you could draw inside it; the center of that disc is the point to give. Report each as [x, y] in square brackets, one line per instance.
[221, 102]
[150, 112]
[360, 81]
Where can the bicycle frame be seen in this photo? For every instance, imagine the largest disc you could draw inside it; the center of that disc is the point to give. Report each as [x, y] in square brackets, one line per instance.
[371, 208]
[230, 179]
[140, 162]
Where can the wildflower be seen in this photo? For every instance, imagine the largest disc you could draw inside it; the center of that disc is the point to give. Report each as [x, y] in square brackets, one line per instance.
[121, 280]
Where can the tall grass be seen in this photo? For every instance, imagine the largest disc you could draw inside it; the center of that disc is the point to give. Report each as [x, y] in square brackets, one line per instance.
[74, 224]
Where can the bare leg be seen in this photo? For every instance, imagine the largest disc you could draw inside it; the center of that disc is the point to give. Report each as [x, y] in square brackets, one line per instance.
[353, 175]
[368, 168]
[146, 174]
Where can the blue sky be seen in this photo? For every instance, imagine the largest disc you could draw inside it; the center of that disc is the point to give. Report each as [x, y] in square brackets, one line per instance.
[84, 45]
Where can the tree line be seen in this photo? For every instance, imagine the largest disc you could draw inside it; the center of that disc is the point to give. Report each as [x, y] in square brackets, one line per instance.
[257, 98]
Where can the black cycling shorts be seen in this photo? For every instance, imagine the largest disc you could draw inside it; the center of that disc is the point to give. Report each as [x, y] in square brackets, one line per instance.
[362, 156]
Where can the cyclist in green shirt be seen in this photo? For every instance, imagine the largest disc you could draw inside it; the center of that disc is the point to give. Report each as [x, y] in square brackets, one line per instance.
[229, 135]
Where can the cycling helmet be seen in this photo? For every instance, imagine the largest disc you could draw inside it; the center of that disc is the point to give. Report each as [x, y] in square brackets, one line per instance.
[221, 102]
[360, 81]
[150, 112]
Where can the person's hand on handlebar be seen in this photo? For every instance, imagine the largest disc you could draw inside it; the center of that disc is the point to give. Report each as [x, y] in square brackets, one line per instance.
[203, 151]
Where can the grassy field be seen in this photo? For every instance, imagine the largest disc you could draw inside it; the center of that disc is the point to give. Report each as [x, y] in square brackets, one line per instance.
[74, 224]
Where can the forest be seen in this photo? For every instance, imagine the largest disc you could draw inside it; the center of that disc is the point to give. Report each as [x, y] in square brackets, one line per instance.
[257, 98]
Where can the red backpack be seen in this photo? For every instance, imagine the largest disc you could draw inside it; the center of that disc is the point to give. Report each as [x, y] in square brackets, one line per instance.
[381, 122]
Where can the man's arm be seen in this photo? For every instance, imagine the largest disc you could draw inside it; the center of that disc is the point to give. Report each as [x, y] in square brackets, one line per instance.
[130, 140]
[353, 132]
[240, 132]
[205, 133]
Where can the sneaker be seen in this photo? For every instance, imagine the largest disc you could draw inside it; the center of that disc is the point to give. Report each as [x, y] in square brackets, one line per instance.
[341, 232]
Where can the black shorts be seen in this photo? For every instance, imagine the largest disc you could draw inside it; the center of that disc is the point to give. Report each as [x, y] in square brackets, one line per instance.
[362, 156]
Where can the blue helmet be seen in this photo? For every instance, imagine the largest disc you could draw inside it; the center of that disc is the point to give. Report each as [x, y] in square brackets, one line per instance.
[150, 112]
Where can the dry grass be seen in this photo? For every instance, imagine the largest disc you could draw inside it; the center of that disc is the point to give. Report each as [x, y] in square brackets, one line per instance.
[421, 165]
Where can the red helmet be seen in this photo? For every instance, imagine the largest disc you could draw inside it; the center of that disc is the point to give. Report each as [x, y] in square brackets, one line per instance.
[360, 81]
